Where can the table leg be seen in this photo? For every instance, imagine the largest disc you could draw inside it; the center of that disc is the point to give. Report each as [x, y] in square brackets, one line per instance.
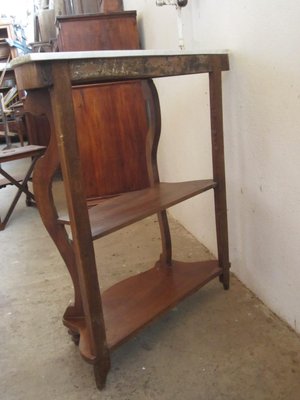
[215, 84]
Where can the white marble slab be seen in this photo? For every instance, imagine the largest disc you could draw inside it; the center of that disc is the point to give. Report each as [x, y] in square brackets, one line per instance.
[81, 55]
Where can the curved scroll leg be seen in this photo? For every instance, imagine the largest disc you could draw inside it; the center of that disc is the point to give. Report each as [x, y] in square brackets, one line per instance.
[153, 135]
[38, 106]
[44, 199]
[45, 203]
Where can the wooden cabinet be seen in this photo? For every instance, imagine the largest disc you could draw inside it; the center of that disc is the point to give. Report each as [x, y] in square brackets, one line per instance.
[114, 31]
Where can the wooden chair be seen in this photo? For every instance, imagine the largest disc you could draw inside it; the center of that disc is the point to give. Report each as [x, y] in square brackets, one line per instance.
[15, 126]
[33, 152]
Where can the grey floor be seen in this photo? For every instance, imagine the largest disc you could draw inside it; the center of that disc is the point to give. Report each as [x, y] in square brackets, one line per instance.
[215, 345]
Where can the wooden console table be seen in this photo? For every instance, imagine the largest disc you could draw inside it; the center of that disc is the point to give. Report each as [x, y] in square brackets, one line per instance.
[101, 322]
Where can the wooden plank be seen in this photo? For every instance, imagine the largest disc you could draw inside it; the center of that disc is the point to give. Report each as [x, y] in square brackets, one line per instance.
[120, 211]
[133, 303]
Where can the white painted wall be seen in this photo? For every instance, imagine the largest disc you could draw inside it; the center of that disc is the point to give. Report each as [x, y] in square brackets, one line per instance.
[262, 135]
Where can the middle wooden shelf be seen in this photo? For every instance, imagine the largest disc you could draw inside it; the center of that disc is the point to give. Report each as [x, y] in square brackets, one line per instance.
[113, 213]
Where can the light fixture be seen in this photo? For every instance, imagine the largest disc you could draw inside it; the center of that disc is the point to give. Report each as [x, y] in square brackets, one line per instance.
[178, 4]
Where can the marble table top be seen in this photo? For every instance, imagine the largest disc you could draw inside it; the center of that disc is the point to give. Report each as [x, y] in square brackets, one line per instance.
[79, 55]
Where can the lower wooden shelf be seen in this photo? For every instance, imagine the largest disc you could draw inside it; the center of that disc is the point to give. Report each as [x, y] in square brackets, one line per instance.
[133, 303]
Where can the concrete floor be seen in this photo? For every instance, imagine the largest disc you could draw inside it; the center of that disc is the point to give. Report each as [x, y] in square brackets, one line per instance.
[215, 345]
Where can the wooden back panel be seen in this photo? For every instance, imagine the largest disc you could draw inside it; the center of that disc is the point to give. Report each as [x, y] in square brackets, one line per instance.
[114, 137]
[115, 121]
[118, 124]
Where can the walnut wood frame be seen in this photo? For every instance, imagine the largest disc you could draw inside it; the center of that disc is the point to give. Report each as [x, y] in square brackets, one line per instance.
[94, 317]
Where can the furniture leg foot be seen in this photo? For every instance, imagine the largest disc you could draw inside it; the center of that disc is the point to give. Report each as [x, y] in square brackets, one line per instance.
[100, 371]
[225, 279]
[75, 336]
[29, 202]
